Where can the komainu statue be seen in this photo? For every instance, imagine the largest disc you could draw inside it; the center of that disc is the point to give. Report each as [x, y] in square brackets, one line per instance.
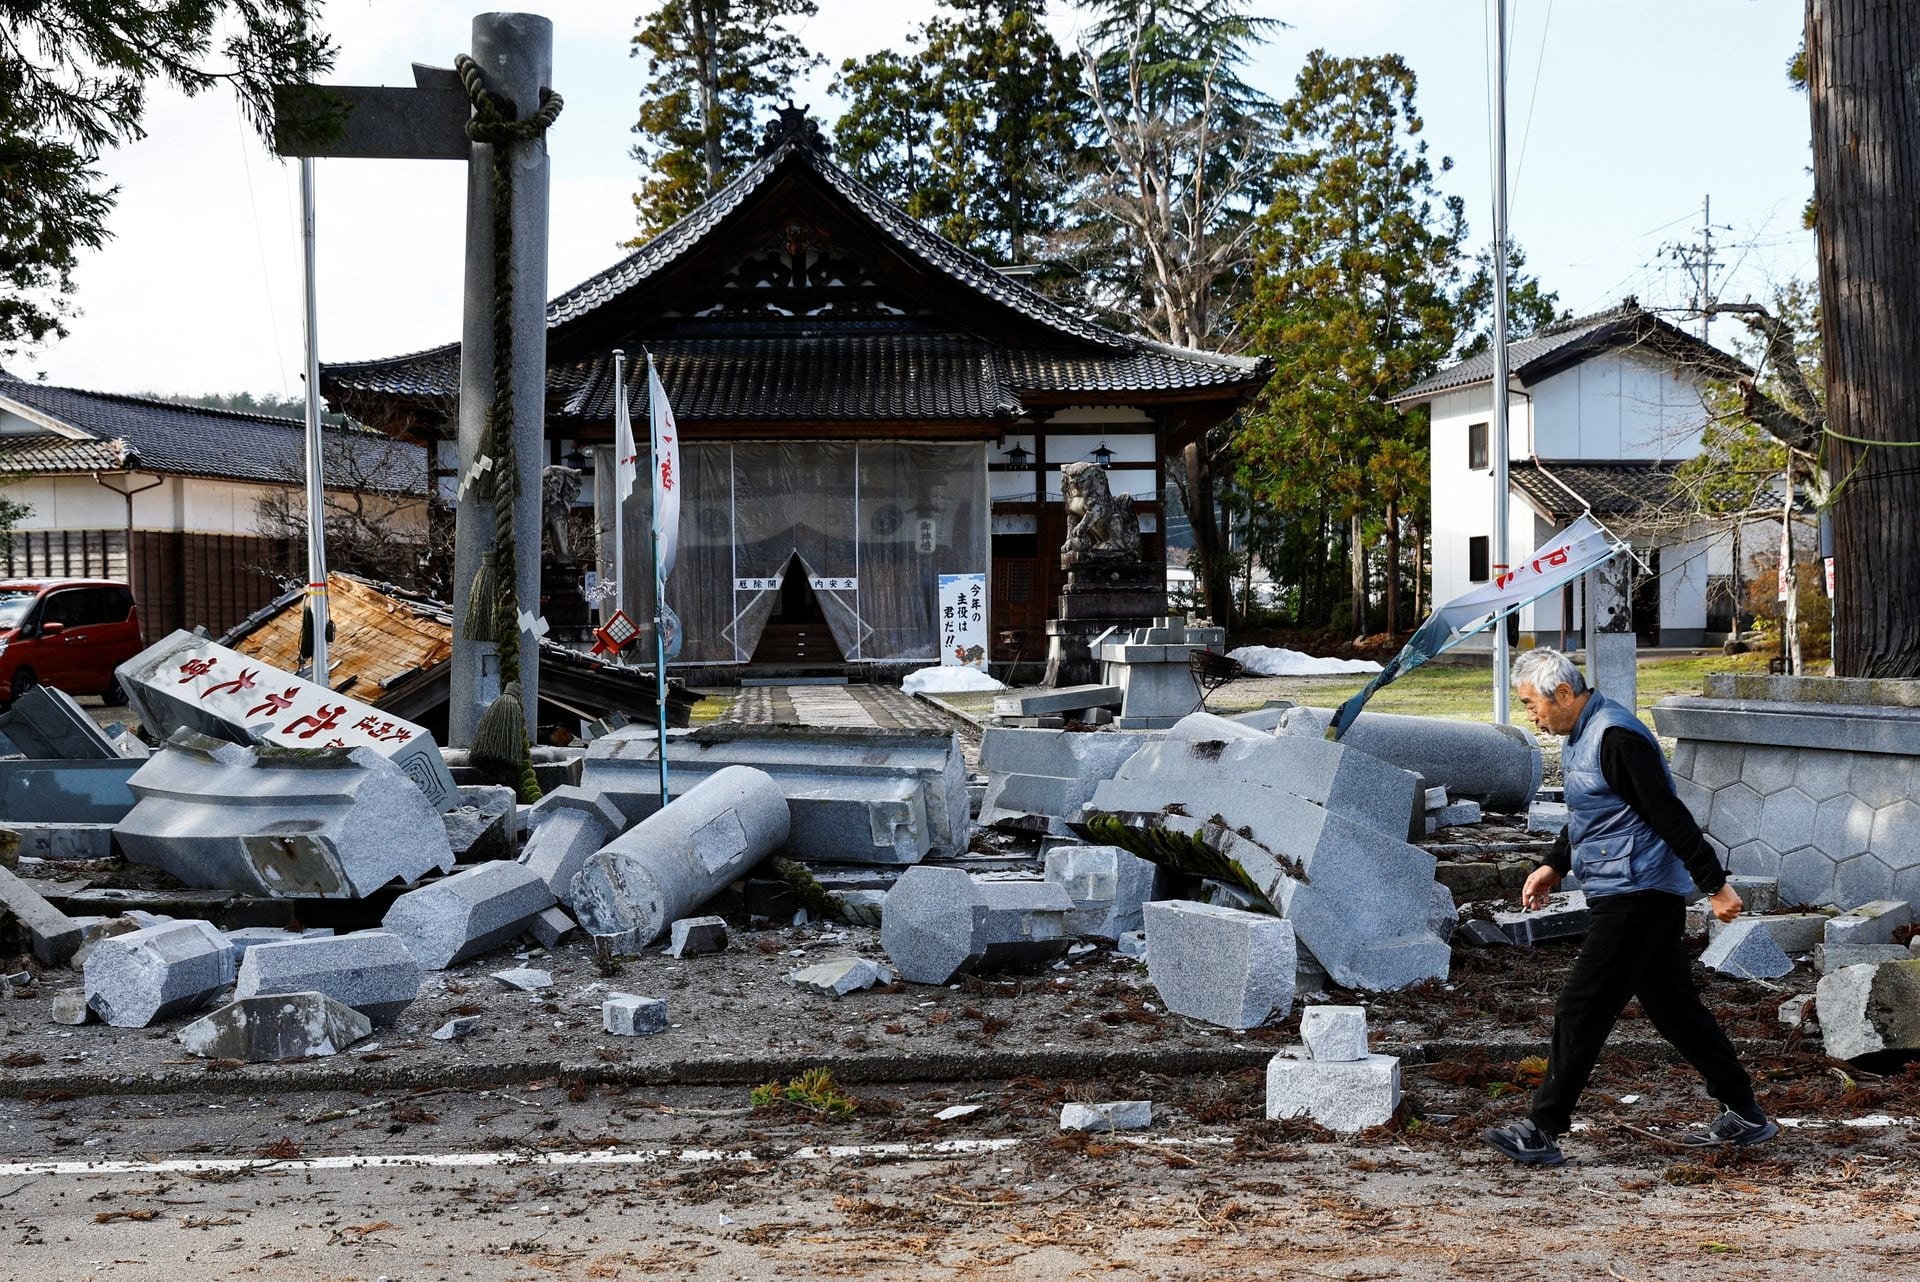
[1101, 527]
[559, 487]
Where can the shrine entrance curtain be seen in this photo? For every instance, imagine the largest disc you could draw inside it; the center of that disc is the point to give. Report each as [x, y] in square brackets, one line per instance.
[874, 524]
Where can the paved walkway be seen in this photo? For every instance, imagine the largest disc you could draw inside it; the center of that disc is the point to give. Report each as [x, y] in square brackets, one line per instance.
[863, 706]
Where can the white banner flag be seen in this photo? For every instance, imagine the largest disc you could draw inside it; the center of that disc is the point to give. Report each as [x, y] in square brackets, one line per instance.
[626, 456]
[666, 463]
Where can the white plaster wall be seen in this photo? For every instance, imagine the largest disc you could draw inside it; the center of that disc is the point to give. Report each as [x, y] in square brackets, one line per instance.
[1684, 568]
[1462, 497]
[188, 504]
[1619, 405]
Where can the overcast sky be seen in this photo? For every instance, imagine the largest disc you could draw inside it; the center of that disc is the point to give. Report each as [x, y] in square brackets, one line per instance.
[1623, 115]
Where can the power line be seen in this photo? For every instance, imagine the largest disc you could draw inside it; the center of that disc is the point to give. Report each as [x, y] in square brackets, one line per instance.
[1526, 130]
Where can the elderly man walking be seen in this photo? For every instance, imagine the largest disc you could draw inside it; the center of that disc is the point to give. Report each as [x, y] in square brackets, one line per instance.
[1639, 856]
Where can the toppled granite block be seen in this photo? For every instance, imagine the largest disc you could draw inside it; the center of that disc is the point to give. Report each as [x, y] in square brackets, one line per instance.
[569, 825]
[251, 936]
[1039, 779]
[69, 1006]
[456, 1028]
[1107, 885]
[678, 858]
[1443, 914]
[1220, 965]
[692, 936]
[1757, 894]
[1436, 799]
[1209, 727]
[47, 724]
[937, 922]
[1119, 1115]
[1828, 958]
[1864, 1009]
[1794, 932]
[1358, 896]
[860, 907]
[1872, 923]
[270, 1029]
[524, 979]
[855, 795]
[1498, 766]
[1061, 699]
[1566, 916]
[1746, 951]
[1132, 944]
[1547, 816]
[1341, 1096]
[369, 970]
[625, 1015]
[1796, 1010]
[1454, 814]
[49, 840]
[149, 974]
[186, 682]
[1482, 933]
[1334, 1034]
[326, 823]
[839, 976]
[551, 926]
[484, 825]
[53, 936]
[470, 913]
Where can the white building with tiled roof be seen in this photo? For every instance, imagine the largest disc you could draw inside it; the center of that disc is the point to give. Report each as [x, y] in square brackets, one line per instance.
[1601, 410]
[179, 486]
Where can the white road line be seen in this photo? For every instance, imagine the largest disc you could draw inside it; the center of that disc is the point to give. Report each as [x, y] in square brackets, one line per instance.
[607, 1157]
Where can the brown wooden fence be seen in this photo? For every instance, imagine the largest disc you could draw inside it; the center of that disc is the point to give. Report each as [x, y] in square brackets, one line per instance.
[179, 580]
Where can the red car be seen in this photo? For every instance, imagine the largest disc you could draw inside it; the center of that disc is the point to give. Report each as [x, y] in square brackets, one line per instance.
[66, 633]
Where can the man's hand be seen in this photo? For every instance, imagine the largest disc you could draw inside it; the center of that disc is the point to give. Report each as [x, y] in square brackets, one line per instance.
[1725, 903]
[1541, 883]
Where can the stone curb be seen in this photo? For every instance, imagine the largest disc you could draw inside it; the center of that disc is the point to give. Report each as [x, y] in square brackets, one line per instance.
[1063, 1065]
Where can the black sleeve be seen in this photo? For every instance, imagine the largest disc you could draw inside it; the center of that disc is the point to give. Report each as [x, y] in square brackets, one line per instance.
[1560, 858]
[1633, 768]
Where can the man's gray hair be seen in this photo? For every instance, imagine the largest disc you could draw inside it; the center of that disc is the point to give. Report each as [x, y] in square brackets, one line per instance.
[1545, 671]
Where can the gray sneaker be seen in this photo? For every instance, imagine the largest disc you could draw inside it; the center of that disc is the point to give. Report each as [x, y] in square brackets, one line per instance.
[1731, 1128]
[1525, 1143]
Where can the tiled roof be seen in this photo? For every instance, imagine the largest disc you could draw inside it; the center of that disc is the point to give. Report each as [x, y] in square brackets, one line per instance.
[918, 375]
[1567, 342]
[190, 440]
[1561, 491]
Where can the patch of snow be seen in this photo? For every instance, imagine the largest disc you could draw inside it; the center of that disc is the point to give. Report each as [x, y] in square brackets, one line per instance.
[953, 679]
[1276, 661]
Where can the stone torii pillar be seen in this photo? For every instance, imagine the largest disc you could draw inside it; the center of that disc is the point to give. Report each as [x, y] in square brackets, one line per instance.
[514, 55]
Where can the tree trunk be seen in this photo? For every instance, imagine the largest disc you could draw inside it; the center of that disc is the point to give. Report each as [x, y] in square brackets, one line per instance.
[1861, 58]
[706, 61]
[1420, 570]
[1357, 564]
[1393, 567]
[1212, 578]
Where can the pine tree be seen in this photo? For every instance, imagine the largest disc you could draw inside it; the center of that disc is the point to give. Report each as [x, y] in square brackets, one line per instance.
[975, 133]
[714, 69]
[73, 82]
[1354, 297]
[1531, 306]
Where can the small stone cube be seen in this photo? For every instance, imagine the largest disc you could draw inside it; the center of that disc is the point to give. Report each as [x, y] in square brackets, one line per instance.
[625, 1015]
[1343, 1097]
[692, 936]
[1334, 1034]
[1120, 1115]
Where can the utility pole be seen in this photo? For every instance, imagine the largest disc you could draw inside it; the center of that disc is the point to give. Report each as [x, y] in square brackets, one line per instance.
[1696, 260]
[1502, 711]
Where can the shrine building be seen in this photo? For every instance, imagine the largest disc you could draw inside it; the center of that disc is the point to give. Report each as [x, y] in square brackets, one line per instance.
[864, 409]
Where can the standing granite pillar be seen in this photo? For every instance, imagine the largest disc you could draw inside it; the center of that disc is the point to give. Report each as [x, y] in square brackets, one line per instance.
[1613, 662]
[514, 52]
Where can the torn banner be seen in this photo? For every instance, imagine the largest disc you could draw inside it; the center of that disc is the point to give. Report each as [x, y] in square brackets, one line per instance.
[1579, 548]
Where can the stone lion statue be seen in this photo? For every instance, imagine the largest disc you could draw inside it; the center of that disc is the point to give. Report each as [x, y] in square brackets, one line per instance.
[559, 487]
[1102, 527]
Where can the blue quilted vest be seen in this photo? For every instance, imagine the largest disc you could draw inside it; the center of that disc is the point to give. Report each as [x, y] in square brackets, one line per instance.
[1615, 851]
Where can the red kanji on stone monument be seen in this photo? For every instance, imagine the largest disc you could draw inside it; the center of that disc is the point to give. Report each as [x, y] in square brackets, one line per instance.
[196, 668]
[324, 719]
[242, 682]
[276, 703]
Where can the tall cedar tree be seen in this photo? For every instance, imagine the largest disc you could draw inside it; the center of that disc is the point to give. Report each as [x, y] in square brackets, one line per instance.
[1531, 306]
[74, 76]
[1162, 225]
[715, 68]
[1354, 298]
[1861, 56]
[976, 133]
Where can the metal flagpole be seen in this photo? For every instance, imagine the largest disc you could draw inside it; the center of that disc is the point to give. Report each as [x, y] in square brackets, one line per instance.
[659, 587]
[1501, 710]
[619, 487]
[316, 475]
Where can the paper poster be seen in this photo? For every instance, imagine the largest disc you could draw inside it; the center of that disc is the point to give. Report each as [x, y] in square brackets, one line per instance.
[963, 620]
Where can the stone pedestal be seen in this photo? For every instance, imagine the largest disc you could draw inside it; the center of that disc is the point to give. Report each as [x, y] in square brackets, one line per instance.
[1811, 780]
[1098, 596]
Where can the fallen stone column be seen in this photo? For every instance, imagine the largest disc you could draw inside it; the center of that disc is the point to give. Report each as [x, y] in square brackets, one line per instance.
[1498, 766]
[1864, 1009]
[369, 970]
[937, 922]
[569, 825]
[1107, 885]
[326, 824]
[678, 858]
[265, 1030]
[53, 936]
[854, 795]
[1220, 965]
[1039, 779]
[133, 979]
[469, 913]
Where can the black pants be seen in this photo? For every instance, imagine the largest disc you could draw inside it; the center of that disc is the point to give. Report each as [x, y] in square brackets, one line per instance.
[1633, 949]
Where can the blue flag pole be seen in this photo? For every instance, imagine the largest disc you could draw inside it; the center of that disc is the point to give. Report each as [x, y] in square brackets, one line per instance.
[659, 589]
